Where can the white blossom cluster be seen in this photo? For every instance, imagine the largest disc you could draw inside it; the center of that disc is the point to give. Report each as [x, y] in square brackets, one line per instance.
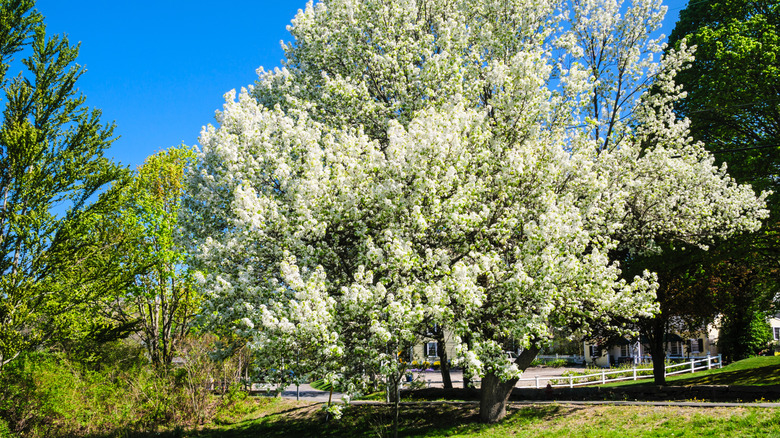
[470, 163]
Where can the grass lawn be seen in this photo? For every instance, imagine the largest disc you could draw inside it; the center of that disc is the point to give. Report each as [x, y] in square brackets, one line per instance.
[763, 370]
[287, 418]
[277, 417]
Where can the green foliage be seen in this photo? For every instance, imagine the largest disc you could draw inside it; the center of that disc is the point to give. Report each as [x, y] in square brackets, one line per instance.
[555, 363]
[733, 85]
[744, 335]
[733, 103]
[160, 303]
[45, 394]
[558, 363]
[52, 169]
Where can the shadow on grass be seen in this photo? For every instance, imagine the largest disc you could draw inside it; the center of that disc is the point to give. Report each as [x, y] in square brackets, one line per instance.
[766, 375]
[423, 419]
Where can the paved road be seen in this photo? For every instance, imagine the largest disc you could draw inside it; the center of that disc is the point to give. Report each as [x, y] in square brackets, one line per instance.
[306, 393]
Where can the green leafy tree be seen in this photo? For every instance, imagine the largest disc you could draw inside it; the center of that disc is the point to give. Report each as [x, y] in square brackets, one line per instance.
[739, 294]
[160, 303]
[733, 85]
[52, 169]
[733, 103]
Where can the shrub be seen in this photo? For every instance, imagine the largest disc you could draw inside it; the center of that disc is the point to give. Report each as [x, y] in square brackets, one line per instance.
[45, 394]
[5, 431]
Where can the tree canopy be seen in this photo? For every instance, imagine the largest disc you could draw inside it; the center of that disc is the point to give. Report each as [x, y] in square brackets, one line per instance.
[733, 102]
[459, 162]
[52, 170]
[733, 85]
[158, 302]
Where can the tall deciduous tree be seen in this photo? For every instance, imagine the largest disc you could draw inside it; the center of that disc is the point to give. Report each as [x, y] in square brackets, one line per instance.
[733, 102]
[161, 302]
[467, 163]
[51, 169]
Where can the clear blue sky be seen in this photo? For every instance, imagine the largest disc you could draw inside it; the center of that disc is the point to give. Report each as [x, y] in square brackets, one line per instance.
[159, 69]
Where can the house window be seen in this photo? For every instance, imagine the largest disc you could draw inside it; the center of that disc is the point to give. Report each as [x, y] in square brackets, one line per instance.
[697, 345]
[594, 351]
[625, 350]
[675, 349]
[777, 333]
[430, 349]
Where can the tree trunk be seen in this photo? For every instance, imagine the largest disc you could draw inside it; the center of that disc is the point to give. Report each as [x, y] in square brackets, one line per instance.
[466, 380]
[656, 336]
[396, 414]
[494, 394]
[446, 379]
[444, 362]
[493, 398]
[393, 388]
[659, 368]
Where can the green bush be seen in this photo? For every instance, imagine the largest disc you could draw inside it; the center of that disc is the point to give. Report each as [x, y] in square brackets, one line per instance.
[5, 431]
[558, 363]
[45, 394]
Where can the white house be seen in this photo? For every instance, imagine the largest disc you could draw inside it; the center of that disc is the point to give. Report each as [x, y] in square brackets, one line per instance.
[636, 350]
[774, 324]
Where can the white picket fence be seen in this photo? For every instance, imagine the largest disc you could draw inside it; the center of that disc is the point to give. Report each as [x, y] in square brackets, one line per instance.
[604, 376]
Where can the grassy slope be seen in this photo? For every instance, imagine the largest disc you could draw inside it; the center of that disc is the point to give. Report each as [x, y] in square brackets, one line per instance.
[752, 371]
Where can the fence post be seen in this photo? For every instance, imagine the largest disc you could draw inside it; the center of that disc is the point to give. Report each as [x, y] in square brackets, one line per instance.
[603, 376]
[537, 381]
[634, 372]
[693, 364]
[571, 381]
[709, 361]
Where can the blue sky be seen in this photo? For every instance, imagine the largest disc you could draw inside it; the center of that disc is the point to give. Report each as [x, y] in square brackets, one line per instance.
[159, 69]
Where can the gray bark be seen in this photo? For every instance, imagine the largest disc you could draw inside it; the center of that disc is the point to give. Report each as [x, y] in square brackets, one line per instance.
[494, 393]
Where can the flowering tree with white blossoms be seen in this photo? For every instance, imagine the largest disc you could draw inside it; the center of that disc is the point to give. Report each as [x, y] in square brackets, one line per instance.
[471, 163]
